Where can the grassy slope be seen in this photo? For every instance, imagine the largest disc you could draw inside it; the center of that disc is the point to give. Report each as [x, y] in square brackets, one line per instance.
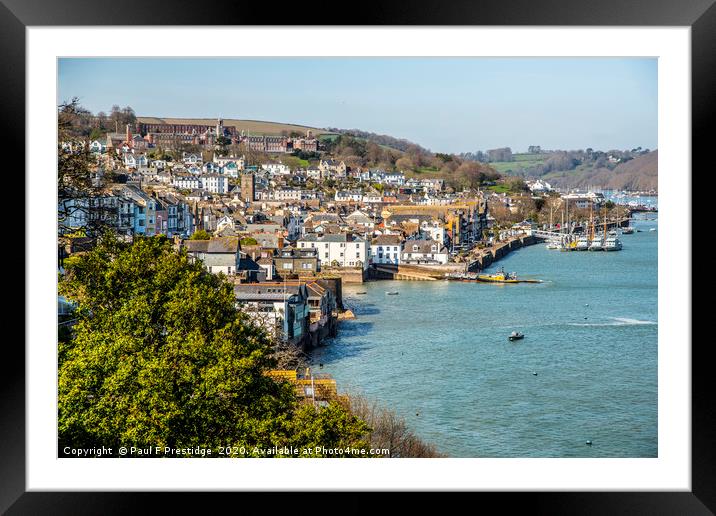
[520, 162]
[640, 173]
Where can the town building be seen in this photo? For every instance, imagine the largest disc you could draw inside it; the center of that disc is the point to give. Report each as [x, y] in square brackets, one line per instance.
[337, 250]
[386, 249]
[427, 252]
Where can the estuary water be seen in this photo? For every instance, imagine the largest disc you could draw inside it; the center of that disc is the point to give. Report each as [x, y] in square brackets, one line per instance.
[438, 354]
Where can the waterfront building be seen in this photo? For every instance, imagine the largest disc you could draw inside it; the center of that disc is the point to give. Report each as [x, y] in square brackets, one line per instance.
[337, 250]
[281, 309]
[386, 249]
[429, 252]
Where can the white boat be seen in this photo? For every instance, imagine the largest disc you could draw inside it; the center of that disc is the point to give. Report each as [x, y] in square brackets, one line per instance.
[596, 245]
[613, 244]
[652, 229]
[627, 230]
[552, 245]
[582, 243]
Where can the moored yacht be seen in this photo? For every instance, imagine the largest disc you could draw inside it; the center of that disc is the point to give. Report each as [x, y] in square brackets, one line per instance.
[613, 244]
[596, 245]
[582, 243]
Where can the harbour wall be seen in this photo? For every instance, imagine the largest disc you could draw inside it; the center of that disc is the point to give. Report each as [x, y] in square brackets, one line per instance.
[478, 261]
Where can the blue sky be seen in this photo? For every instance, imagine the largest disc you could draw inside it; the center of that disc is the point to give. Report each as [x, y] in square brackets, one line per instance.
[444, 104]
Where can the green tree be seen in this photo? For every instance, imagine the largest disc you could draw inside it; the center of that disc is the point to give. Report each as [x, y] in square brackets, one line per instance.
[160, 356]
[200, 234]
[248, 241]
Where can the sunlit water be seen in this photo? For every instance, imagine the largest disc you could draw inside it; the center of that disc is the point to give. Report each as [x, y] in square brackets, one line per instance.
[438, 355]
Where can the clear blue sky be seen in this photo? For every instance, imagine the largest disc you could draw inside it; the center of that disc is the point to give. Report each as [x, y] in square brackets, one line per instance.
[444, 104]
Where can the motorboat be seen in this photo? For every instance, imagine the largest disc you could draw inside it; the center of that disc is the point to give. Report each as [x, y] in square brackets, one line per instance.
[582, 243]
[393, 293]
[500, 277]
[613, 244]
[596, 245]
[627, 230]
[515, 335]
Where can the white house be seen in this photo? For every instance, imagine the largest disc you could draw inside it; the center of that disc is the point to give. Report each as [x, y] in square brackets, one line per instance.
[424, 252]
[97, 147]
[192, 159]
[186, 182]
[386, 249]
[224, 161]
[276, 169]
[394, 178]
[215, 183]
[341, 249]
[372, 196]
[134, 160]
[433, 230]
[539, 186]
[348, 196]
[313, 173]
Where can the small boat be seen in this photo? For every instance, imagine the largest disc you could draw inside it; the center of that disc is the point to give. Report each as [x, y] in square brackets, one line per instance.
[360, 293]
[627, 230]
[552, 245]
[652, 229]
[394, 293]
[515, 335]
[500, 277]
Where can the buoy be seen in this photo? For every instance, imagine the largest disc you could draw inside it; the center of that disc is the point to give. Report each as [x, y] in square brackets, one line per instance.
[417, 413]
[589, 443]
[585, 318]
[534, 373]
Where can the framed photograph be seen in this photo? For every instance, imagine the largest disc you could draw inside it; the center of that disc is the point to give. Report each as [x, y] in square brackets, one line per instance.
[298, 241]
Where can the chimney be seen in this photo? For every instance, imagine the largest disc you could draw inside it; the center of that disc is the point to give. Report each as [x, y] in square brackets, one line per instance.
[129, 135]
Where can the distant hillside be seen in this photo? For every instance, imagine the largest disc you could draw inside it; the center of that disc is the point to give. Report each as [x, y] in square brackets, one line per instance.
[257, 127]
[640, 173]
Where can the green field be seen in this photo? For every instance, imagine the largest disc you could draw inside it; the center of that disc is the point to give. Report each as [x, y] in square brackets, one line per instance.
[520, 162]
[499, 188]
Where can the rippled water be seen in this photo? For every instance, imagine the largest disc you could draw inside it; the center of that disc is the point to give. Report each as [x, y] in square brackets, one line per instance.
[438, 355]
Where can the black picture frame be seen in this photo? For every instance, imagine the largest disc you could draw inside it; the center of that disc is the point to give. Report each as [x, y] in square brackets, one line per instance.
[700, 15]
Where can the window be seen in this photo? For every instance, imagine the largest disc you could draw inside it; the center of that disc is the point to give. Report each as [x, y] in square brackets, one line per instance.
[357, 255]
[415, 248]
[288, 265]
[326, 255]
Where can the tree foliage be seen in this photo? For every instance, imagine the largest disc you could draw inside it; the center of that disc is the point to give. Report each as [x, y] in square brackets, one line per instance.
[200, 234]
[160, 356]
